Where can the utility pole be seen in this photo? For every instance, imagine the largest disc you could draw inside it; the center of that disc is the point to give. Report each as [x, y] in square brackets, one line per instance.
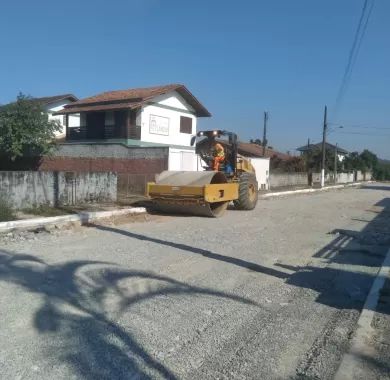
[335, 164]
[265, 132]
[324, 147]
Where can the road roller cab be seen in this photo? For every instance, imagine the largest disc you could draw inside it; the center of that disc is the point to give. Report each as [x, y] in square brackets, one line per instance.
[208, 192]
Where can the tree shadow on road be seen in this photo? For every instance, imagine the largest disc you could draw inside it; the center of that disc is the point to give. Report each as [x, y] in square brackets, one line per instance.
[374, 187]
[343, 281]
[337, 285]
[199, 251]
[75, 312]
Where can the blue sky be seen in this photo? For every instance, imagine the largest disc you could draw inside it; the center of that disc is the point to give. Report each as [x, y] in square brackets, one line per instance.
[238, 57]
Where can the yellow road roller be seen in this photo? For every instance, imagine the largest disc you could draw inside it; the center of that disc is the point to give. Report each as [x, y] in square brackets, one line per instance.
[208, 192]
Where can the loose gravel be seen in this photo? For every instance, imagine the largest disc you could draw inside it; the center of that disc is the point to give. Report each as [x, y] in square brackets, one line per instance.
[270, 294]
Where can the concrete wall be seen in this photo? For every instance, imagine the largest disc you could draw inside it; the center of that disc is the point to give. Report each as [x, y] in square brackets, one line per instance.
[135, 166]
[288, 180]
[345, 177]
[24, 189]
[84, 157]
[261, 166]
[368, 176]
[329, 178]
[359, 176]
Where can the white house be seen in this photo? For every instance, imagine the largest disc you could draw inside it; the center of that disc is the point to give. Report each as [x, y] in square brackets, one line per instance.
[55, 103]
[153, 116]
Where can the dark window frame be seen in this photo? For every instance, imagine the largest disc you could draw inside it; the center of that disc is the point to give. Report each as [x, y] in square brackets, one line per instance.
[186, 125]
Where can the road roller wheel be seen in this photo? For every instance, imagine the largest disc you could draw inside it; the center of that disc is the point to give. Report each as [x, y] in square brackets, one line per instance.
[247, 192]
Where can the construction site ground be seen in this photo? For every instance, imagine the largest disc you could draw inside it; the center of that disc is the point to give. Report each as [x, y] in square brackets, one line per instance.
[273, 293]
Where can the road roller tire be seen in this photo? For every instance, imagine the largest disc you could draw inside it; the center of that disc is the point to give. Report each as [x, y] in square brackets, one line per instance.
[247, 192]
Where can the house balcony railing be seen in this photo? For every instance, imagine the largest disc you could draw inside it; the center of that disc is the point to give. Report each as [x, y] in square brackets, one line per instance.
[77, 133]
[80, 133]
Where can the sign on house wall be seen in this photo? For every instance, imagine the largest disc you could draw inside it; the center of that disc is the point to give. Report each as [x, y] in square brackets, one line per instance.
[159, 125]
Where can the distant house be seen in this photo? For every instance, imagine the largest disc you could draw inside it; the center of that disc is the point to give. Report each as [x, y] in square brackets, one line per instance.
[52, 104]
[341, 153]
[256, 150]
[163, 116]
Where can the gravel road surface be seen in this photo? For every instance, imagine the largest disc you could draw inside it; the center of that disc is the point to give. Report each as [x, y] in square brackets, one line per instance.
[270, 294]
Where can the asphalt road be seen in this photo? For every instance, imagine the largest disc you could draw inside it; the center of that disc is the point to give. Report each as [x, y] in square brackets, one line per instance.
[270, 294]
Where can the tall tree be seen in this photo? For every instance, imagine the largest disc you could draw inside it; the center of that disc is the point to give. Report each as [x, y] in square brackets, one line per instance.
[365, 161]
[313, 159]
[25, 129]
[369, 160]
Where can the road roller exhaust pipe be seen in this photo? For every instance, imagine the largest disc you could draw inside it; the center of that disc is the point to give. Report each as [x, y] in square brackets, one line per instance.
[195, 193]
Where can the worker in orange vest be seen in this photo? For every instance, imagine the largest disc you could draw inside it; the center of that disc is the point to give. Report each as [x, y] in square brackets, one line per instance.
[219, 156]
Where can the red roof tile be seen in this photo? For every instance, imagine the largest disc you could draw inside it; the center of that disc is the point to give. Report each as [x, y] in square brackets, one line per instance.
[249, 149]
[132, 98]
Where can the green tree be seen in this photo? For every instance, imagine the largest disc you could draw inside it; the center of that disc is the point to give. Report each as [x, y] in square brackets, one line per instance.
[353, 161]
[369, 160]
[382, 170]
[365, 161]
[255, 141]
[25, 129]
[313, 159]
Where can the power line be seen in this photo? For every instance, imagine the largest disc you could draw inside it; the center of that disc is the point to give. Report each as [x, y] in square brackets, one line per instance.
[365, 127]
[362, 126]
[359, 34]
[364, 134]
[353, 54]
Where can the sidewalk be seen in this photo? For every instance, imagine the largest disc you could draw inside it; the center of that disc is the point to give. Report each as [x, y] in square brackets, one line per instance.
[369, 354]
[81, 218]
[281, 192]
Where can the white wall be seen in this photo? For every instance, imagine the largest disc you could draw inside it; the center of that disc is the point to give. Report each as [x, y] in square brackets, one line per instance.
[182, 159]
[340, 157]
[74, 119]
[261, 166]
[169, 119]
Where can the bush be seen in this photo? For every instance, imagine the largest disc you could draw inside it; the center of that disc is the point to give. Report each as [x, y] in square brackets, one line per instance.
[291, 165]
[6, 211]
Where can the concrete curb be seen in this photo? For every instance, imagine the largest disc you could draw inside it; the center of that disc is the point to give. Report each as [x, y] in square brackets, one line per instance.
[82, 218]
[310, 190]
[360, 344]
[86, 217]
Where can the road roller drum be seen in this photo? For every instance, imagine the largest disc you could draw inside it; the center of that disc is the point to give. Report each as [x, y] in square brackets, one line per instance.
[197, 193]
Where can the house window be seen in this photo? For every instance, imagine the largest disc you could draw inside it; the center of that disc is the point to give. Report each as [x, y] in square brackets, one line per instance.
[64, 120]
[185, 124]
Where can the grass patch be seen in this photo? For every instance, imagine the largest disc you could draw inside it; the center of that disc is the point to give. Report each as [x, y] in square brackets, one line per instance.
[6, 211]
[46, 210]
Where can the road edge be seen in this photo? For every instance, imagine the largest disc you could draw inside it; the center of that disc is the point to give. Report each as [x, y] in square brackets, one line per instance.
[311, 190]
[364, 331]
[82, 218]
